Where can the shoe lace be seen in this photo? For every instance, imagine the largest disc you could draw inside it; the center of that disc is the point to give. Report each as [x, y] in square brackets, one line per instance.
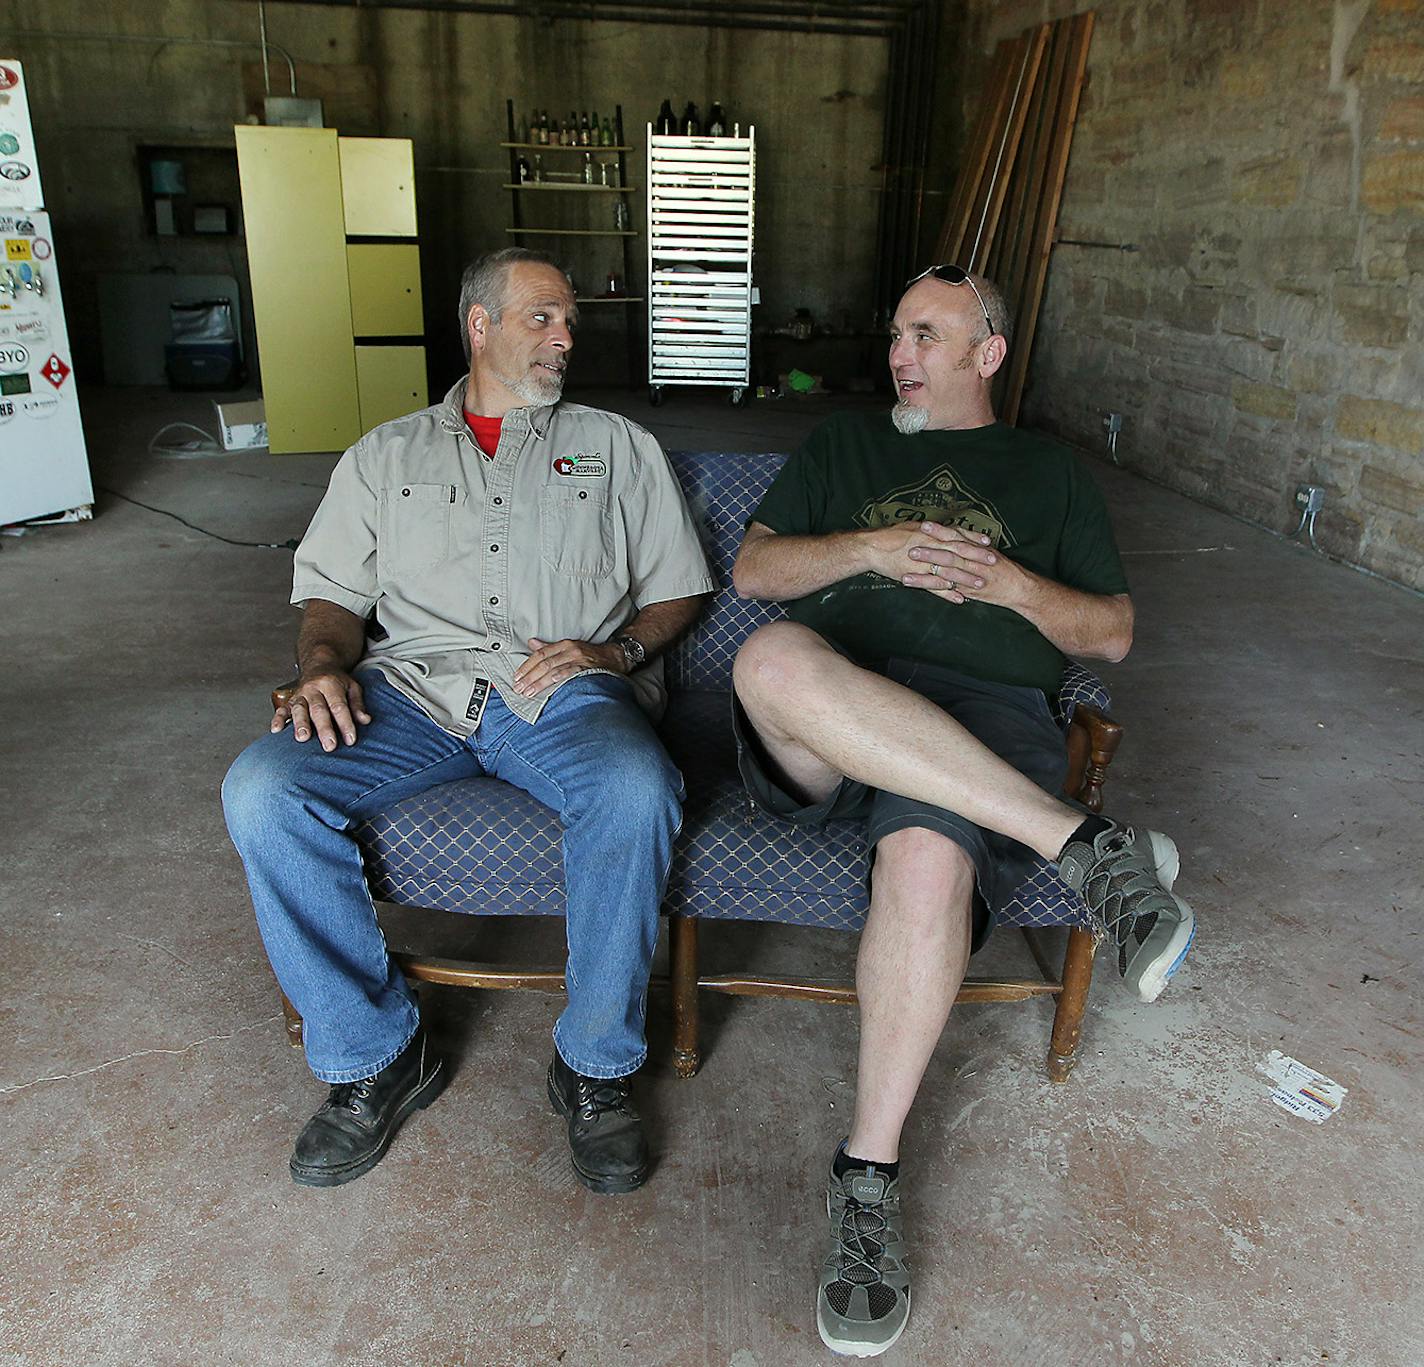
[1122, 887]
[861, 1237]
[598, 1096]
[350, 1095]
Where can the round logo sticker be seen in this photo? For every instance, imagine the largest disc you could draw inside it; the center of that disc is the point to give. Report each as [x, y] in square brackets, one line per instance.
[14, 170]
[14, 357]
[9, 78]
[9, 144]
[39, 405]
[7, 410]
[41, 248]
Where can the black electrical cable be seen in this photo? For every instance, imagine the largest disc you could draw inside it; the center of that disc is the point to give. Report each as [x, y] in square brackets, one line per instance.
[258, 545]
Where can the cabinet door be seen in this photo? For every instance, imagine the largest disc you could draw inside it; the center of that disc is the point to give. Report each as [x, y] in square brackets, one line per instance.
[378, 186]
[385, 289]
[391, 381]
[301, 297]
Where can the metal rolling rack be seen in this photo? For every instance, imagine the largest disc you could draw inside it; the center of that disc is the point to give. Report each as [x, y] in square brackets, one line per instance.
[701, 217]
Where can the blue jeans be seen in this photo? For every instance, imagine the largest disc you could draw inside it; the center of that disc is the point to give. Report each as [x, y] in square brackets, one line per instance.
[592, 757]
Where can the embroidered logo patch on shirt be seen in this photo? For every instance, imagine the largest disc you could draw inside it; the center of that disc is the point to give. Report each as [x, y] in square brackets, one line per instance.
[584, 464]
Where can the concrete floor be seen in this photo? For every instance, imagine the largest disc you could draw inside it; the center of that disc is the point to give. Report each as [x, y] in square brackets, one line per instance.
[1158, 1209]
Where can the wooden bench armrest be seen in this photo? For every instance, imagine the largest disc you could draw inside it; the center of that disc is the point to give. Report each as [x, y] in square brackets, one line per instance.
[1093, 738]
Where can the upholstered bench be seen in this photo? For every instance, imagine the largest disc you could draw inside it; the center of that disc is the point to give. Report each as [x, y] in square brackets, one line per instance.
[482, 848]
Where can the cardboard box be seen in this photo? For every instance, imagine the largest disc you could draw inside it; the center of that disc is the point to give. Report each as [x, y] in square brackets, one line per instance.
[242, 426]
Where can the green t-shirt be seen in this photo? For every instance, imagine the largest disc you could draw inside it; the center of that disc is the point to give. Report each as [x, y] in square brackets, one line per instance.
[1027, 493]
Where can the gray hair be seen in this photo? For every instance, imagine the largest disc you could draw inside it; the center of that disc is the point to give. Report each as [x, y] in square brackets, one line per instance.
[486, 283]
[997, 310]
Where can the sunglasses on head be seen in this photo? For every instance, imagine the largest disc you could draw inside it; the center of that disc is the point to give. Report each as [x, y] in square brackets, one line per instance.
[955, 275]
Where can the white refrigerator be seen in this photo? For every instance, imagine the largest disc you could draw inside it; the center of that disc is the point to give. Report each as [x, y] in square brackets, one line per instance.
[44, 468]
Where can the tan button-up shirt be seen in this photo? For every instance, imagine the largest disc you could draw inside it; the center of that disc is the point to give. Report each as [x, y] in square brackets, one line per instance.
[575, 526]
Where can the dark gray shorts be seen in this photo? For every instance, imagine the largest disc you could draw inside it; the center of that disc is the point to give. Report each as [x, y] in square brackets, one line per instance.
[1014, 723]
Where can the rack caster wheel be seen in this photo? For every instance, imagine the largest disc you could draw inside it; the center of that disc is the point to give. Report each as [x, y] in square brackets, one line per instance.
[655, 395]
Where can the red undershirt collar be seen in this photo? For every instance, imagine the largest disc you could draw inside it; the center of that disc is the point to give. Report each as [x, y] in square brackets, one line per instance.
[485, 432]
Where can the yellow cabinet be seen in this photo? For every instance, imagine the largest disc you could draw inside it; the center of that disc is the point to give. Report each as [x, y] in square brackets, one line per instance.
[305, 194]
[385, 289]
[391, 382]
[378, 186]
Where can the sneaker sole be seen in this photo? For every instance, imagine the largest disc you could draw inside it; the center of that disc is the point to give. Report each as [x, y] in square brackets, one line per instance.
[1168, 959]
[600, 1183]
[850, 1348]
[418, 1100]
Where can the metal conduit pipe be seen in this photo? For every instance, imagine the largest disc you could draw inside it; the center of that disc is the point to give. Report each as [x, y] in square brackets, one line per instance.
[877, 25]
[162, 40]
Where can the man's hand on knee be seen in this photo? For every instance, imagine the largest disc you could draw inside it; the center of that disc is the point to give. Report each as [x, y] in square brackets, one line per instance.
[329, 704]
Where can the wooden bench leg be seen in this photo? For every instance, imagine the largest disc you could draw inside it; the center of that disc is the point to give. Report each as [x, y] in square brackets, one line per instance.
[1068, 1019]
[682, 946]
[294, 1021]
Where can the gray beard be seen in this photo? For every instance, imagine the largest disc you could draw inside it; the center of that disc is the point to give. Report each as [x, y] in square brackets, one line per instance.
[536, 390]
[909, 419]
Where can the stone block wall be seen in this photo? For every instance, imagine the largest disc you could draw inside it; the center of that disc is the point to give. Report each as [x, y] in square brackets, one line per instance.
[1254, 171]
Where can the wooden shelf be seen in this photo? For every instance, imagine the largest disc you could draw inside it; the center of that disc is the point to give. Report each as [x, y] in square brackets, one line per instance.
[559, 147]
[574, 232]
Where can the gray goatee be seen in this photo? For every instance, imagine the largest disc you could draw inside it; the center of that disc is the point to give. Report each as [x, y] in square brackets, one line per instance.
[909, 418]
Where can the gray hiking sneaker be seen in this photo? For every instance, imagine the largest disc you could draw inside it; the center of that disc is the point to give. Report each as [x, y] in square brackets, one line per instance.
[1126, 878]
[863, 1302]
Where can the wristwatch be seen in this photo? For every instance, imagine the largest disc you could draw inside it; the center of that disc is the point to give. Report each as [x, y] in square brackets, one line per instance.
[635, 653]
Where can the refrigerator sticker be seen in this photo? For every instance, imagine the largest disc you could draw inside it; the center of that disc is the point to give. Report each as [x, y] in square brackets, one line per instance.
[55, 371]
[9, 78]
[7, 410]
[10, 223]
[14, 170]
[41, 249]
[17, 249]
[14, 356]
[39, 405]
[14, 384]
[21, 327]
[9, 144]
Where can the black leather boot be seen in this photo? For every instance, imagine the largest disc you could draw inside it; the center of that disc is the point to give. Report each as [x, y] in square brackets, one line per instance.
[605, 1132]
[353, 1129]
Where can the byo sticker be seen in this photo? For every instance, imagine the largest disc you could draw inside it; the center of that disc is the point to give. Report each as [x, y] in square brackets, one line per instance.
[14, 357]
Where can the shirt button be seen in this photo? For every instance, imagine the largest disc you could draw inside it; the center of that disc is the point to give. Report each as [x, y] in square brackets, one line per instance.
[494, 548]
[497, 501]
[405, 493]
[583, 493]
[494, 601]
[494, 645]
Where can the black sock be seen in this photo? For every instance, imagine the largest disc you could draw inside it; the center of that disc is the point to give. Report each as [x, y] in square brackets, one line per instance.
[843, 1162]
[1089, 829]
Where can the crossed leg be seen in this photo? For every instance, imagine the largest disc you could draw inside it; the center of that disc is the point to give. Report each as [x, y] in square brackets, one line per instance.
[822, 717]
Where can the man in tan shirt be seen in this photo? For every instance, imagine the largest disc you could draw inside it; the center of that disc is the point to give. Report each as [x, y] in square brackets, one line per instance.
[486, 589]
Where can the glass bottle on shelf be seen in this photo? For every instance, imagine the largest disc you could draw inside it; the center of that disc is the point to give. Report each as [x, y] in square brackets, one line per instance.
[603, 173]
[583, 129]
[572, 139]
[588, 168]
[691, 124]
[620, 215]
[538, 167]
[607, 133]
[525, 174]
[541, 129]
[716, 121]
[667, 120]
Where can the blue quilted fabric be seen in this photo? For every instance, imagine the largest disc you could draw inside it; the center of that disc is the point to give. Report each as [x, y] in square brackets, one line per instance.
[484, 848]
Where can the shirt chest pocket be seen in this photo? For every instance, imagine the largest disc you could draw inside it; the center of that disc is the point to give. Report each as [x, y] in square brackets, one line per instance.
[413, 533]
[576, 531]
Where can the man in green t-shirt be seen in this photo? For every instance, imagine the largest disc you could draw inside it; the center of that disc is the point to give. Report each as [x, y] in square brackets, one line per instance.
[937, 567]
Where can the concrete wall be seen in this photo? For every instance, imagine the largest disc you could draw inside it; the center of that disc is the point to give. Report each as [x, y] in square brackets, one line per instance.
[442, 79]
[1267, 162]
